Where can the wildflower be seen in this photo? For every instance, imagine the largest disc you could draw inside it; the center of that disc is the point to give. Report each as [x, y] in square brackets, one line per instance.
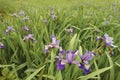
[15, 15]
[53, 17]
[25, 18]
[84, 65]
[70, 30]
[21, 13]
[108, 41]
[26, 28]
[60, 64]
[29, 37]
[9, 28]
[70, 56]
[69, 59]
[87, 56]
[54, 44]
[2, 45]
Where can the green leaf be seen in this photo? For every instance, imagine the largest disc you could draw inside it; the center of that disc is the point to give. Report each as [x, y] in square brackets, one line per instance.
[49, 76]
[112, 69]
[117, 64]
[59, 76]
[35, 73]
[89, 76]
[72, 42]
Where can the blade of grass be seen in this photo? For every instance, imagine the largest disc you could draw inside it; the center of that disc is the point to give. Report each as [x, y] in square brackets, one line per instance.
[35, 73]
[89, 76]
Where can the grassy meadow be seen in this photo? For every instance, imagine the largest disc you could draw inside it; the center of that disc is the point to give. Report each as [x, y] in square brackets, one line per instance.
[48, 40]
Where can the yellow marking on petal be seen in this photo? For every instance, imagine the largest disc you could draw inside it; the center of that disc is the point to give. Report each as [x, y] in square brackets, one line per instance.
[46, 47]
[76, 53]
[61, 49]
[62, 62]
[87, 66]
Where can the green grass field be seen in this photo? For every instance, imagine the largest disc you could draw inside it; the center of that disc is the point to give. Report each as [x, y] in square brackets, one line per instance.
[23, 57]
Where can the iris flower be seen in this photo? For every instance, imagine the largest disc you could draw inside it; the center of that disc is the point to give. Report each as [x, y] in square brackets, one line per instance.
[29, 37]
[9, 28]
[69, 59]
[2, 45]
[108, 40]
[25, 18]
[21, 13]
[53, 44]
[26, 28]
[15, 15]
[70, 30]
[85, 66]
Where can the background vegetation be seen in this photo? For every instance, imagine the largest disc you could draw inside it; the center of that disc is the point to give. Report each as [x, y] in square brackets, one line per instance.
[89, 18]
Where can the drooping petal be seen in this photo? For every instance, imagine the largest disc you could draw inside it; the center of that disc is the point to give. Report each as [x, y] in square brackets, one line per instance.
[2, 45]
[85, 68]
[60, 65]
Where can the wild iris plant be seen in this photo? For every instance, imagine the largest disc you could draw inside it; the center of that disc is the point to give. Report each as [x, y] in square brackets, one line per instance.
[25, 28]
[85, 61]
[107, 40]
[53, 44]
[9, 29]
[69, 57]
[29, 37]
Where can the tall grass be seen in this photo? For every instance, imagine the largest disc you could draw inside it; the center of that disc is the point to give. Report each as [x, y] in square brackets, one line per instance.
[26, 60]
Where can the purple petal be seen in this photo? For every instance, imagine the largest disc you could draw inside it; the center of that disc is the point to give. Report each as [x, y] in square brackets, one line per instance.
[60, 66]
[69, 56]
[108, 40]
[85, 68]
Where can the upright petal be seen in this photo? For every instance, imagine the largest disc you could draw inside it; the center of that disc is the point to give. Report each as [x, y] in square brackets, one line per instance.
[69, 56]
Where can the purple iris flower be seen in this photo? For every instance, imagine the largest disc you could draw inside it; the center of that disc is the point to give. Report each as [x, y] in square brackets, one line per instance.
[54, 44]
[70, 56]
[15, 15]
[26, 28]
[60, 64]
[9, 28]
[70, 30]
[2, 45]
[29, 37]
[108, 40]
[53, 17]
[85, 66]
[25, 18]
[21, 13]
[87, 57]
